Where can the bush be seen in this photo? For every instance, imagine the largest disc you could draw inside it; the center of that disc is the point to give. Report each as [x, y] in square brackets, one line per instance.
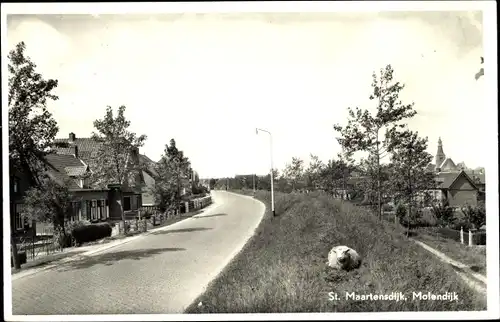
[387, 207]
[444, 214]
[91, 232]
[401, 211]
[476, 216]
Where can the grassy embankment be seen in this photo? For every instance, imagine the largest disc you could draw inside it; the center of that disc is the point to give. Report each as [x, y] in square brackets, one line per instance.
[282, 268]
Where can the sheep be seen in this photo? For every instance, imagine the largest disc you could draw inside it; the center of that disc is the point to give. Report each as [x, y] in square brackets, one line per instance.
[343, 257]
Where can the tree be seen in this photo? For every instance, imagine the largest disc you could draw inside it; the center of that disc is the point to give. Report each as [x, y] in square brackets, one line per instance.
[443, 213]
[313, 172]
[475, 216]
[410, 177]
[335, 173]
[368, 183]
[32, 128]
[50, 202]
[364, 129]
[294, 172]
[213, 183]
[113, 163]
[173, 174]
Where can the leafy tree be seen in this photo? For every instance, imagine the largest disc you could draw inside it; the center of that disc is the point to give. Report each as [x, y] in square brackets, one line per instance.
[213, 183]
[50, 203]
[364, 130]
[294, 172]
[475, 216]
[174, 175]
[444, 214]
[264, 182]
[335, 174]
[32, 128]
[313, 172]
[114, 163]
[410, 177]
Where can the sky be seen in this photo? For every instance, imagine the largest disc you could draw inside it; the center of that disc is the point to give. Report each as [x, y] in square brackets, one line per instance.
[208, 80]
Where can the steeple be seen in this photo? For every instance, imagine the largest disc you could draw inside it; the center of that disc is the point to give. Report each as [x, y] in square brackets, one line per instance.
[440, 156]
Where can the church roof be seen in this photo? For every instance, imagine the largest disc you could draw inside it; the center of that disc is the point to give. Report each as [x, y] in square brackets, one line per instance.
[449, 164]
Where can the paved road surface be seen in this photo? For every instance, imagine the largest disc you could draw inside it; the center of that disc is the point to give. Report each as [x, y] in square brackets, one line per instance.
[159, 273]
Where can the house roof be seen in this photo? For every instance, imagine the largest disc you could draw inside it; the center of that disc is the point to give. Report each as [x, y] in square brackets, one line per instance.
[150, 164]
[446, 179]
[87, 147]
[63, 167]
[448, 162]
[481, 177]
[76, 171]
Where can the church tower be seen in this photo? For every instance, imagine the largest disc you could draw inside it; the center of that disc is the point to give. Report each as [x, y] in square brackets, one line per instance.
[440, 156]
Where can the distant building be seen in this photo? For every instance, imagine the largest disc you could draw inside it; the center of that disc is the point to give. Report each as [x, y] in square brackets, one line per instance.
[455, 183]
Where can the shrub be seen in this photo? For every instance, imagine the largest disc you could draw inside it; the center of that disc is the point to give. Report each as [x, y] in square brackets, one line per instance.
[476, 216]
[387, 207]
[91, 232]
[401, 211]
[444, 214]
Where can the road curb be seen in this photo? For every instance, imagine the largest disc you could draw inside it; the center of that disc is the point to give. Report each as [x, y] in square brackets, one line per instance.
[90, 253]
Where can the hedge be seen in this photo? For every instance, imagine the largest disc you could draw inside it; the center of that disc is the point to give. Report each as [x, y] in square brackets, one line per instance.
[91, 232]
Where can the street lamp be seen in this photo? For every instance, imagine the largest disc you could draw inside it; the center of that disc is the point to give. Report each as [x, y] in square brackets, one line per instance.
[272, 179]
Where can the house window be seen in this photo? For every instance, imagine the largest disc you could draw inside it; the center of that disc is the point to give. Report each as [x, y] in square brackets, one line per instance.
[18, 218]
[75, 211]
[126, 203]
[133, 200]
[101, 209]
[94, 215]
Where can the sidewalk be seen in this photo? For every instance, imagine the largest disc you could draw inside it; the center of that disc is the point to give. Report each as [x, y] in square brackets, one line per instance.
[76, 253]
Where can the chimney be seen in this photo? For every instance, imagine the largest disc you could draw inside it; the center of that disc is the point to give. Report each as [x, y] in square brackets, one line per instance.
[72, 137]
[74, 149]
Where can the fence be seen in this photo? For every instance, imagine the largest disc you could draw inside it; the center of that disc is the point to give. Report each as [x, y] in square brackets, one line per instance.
[470, 237]
[152, 216]
[37, 246]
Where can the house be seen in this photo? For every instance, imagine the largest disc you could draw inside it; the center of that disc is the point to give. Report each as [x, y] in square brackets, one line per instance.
[19, 184]
[447, 172]
[455, 188]
[86, 150]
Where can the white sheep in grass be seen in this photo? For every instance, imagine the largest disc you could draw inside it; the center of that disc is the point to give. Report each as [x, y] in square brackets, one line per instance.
[343, 257]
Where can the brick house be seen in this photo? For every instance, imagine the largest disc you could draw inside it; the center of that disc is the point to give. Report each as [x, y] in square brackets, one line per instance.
[19, 184]
[456, 183]
[86, 150]
[456, 188]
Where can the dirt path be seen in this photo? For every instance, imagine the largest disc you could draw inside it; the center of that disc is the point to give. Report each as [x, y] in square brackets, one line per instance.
[475, 280]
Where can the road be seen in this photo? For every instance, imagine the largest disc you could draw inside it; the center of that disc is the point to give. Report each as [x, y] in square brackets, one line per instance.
[162, 272]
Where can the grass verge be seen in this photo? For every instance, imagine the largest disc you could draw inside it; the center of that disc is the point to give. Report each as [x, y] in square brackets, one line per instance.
[473, 256]
[282, 268]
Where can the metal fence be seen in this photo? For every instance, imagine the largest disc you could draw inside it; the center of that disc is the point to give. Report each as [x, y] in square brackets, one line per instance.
[37, 246]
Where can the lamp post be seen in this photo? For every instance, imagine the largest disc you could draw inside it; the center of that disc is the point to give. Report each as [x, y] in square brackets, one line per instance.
[272, 179]
[253, 178]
